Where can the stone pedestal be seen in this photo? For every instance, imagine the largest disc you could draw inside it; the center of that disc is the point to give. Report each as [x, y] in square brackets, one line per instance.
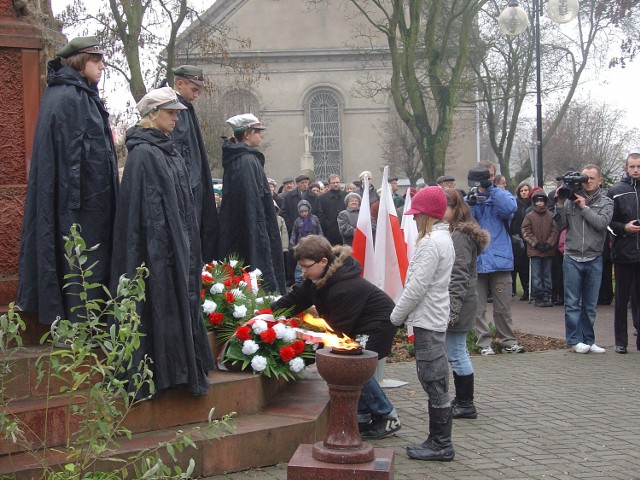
[342, 453]
[27, 38]
[306, 162]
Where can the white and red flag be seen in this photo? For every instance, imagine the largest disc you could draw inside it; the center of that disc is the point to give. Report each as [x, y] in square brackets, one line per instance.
[409, 227]
[390, 247]
[362, 247]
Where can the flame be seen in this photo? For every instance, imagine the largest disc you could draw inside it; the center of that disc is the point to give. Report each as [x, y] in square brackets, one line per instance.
[330, 338]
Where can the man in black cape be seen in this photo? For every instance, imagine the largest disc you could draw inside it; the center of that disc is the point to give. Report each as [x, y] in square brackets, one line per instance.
[188, 141]
[73, 178]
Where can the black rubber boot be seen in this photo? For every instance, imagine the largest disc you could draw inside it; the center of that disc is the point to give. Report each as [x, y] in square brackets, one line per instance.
[462, 406]
[437, 447]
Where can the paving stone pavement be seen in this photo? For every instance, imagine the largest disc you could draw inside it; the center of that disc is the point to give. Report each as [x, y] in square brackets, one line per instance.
[544, 415]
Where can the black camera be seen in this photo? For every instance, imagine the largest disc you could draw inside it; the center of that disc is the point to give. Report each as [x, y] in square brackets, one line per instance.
[571, 183]
[472, 197]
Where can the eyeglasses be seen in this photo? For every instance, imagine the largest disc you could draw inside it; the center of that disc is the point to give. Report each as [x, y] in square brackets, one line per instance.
[307, 267]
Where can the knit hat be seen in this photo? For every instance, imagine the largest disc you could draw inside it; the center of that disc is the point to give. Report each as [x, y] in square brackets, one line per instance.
[533, 190]
[304, 205]
[430, 201]
[350, 196]
[539, 193]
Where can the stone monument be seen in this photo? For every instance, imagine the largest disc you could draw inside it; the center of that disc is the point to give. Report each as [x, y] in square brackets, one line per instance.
[306, 160]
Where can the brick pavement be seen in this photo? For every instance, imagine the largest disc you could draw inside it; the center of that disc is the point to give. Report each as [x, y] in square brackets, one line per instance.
[544, 415]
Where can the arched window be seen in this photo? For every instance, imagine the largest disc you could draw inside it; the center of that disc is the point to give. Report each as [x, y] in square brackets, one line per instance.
[324, 122]
[236, 102]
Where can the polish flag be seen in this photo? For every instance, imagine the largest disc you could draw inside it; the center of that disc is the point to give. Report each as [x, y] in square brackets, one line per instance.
[409, 227]
[391, 250]
[362, 247]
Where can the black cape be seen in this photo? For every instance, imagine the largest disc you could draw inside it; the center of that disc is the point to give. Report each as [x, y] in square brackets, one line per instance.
[156, 225]
[73, 178]
[187, 140]
[248, 223]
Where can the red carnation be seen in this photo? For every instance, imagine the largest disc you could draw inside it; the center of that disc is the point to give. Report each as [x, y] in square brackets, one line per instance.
[287, 353]
[228, 296]
[268, 336]
[243, 333]
[236, 280]
[298, 347]
[228, 270]
[293, 323]
[202, 294]
[265, 311]
[207, 279]
[216, 318]
[227, 283]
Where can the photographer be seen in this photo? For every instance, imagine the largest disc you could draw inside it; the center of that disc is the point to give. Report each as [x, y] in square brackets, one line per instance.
[492, 207]
[586, 218]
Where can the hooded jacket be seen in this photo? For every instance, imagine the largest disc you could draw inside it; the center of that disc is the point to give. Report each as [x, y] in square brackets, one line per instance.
[290, 206]
[425, 300]
[296, 231]
[346, 301]
[586, 228]
[538, 227]
[73, 178]
[468, 242]
[626, 207]
[156, 225]
[248, 223]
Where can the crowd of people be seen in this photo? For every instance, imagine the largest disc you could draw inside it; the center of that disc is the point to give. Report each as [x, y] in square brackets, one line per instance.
[471, 248]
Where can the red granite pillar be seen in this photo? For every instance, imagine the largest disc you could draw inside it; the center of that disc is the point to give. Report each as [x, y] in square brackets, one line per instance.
[28, 35]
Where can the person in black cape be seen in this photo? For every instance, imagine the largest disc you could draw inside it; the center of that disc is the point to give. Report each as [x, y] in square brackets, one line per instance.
[156, 225]
[73, 178]
[248, 223]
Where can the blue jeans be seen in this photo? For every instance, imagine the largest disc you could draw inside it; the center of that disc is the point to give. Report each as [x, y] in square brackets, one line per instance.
[455, 344]
[541, 276]
[581, 288]
[372, 402]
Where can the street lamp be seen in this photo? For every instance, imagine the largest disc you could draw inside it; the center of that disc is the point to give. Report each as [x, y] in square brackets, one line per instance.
[513, 21]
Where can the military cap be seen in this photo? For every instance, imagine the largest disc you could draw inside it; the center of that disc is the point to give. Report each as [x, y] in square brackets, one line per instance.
[80, 45]
[164, 98]
[191, 73]
[245, 121]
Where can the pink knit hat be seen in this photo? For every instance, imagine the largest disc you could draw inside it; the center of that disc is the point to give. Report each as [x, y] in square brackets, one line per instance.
[431, 201]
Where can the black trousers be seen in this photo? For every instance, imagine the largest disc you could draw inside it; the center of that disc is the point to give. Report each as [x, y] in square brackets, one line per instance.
[627, 283]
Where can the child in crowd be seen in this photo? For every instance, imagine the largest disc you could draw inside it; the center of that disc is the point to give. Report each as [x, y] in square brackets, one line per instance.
[540, 234]
[424, 304]
[306, 224]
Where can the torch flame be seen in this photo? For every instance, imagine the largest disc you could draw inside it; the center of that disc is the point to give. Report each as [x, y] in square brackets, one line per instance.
[330, 338]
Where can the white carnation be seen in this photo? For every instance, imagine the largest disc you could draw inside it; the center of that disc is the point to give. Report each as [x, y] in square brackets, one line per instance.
[259, 326]
[233, 263]
[254, 275]
[249, 347]
[239, 311]
[260, 300]
[209, 306]
[242, 284]
[296, 365]
[279, 329]
[217, 288]
[259, 363]
[239, 294]
[289, 335]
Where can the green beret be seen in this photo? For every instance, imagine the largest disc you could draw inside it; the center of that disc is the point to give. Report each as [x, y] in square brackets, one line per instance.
[191, 73]
[80, 45]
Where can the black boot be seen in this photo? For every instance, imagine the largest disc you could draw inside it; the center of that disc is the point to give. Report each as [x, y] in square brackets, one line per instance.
[462, 406]
[546, 301]
[437, 447]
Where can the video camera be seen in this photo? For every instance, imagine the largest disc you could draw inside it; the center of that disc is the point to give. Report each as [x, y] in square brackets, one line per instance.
[477, 177]
[571, 183]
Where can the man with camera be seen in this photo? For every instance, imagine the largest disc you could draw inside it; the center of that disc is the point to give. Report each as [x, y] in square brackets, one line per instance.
[585, 212]
[493, 207]
[625, 251]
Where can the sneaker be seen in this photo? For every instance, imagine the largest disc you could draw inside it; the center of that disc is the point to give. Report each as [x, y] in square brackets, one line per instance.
[596, 349]
[487, 351]
[380, 428]
[580, 348]
[515, 348]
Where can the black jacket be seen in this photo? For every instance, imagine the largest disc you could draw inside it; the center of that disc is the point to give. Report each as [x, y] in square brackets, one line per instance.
[156, 225]
[73, 178]
[347, 302]
[187, 140]
[626, 207]
[248, 223]
[332, 203]
[289, 208]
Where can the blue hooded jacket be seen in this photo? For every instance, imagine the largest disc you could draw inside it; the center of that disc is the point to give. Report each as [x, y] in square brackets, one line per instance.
[494, 214]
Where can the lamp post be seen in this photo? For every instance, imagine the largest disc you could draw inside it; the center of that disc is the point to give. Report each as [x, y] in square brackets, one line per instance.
[513, 21]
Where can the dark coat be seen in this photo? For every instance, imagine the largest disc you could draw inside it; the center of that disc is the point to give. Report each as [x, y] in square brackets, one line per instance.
[468, 241]
[626, 207]
[156, 225]
[248, 223]
[347, 302]
[332, 203]
[73, 178]
[290, 202]
[187, 140]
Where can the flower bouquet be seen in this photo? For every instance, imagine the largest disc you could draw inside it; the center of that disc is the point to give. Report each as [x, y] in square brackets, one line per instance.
[271, 347]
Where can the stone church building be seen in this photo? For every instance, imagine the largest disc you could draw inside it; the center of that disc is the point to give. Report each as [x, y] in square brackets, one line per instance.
[314, 60]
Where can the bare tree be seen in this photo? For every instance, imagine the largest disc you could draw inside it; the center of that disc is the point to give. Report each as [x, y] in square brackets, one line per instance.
[400, 149]
[590, 132]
